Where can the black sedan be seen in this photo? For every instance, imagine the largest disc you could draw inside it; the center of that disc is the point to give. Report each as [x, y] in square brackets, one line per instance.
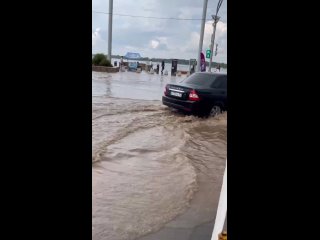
[201, 93]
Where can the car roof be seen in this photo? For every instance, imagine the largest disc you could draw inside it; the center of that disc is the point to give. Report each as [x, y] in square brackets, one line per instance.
[213, 73]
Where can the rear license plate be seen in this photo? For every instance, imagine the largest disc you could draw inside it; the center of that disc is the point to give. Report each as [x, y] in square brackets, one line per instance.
[176, 94]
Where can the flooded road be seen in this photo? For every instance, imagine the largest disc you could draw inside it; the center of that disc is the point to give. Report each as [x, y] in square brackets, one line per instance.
[131, 85]
[149, 162]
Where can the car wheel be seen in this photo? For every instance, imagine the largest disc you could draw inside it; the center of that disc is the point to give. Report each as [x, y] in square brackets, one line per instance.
[215, 110]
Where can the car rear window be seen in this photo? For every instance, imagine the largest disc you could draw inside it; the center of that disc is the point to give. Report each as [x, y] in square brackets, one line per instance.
[200, 79]
[220, 82]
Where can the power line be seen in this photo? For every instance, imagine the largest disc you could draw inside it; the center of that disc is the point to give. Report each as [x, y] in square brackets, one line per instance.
[168, 18]
[218, 6]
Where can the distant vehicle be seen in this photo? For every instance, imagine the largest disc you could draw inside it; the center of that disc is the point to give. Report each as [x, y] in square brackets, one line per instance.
[132, 66]
[201, 93]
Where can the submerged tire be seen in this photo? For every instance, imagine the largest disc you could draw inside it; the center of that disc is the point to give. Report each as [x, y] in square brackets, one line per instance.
[215, 110]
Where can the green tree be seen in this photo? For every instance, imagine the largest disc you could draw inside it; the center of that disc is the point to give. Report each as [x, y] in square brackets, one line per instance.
[101, 60]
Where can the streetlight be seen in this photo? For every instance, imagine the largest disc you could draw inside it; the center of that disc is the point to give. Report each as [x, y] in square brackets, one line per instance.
[204, 11]
[110, 29]
[216, 19]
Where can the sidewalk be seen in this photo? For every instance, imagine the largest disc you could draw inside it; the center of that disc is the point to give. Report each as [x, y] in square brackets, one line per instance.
[198, 220]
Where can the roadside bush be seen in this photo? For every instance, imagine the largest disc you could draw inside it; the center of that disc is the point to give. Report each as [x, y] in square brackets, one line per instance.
[101, 60]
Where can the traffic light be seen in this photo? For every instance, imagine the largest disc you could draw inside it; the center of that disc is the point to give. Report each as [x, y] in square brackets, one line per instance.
[208, 53]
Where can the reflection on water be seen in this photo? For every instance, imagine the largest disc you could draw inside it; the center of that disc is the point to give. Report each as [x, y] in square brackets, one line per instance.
[108, 90]
[131, 85]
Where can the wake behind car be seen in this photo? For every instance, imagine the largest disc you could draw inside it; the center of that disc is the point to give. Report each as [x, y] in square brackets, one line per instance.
[201, 93]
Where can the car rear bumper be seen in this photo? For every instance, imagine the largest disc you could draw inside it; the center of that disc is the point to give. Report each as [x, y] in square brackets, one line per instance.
[189, 106]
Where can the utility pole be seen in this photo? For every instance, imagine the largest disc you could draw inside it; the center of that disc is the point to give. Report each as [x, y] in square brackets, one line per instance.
[215, 21]
[110, 29]
[204, 12]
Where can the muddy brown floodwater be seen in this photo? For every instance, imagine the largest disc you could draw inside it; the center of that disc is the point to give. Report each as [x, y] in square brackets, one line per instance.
[148, 162]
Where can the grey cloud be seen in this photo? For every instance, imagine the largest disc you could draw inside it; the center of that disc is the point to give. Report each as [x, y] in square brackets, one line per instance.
[138, 32]
[162, 46]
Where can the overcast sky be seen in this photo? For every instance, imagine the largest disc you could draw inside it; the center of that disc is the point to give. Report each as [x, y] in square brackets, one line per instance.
[159, 38]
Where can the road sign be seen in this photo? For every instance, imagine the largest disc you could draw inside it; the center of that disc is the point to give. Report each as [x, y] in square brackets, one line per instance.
[208, 53]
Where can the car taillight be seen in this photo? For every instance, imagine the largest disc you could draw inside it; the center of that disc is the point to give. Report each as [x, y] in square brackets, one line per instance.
[193, 96]
[166, 90]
